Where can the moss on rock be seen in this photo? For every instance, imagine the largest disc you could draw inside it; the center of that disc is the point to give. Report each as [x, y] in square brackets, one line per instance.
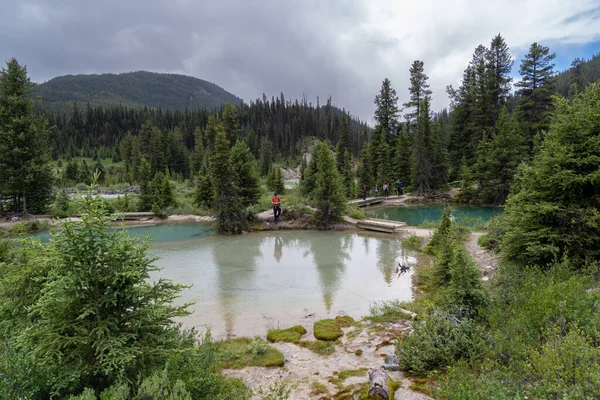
[291, 335]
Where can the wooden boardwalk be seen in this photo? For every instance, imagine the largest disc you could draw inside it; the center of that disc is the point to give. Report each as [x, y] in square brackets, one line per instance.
[380, 225]
[367, 202]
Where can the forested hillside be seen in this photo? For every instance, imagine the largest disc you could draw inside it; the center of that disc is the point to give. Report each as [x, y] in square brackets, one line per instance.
[135, 90]
[581, 74]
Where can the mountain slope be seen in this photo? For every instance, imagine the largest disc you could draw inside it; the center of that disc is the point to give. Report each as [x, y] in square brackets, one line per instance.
[133, 89]
[590, 74]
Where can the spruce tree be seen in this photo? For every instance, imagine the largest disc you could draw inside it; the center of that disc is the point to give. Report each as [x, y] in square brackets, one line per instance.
[230, 123]
[364, 172]
[230, 214]
[24, 167]
[421, 170]
[498, 159]
[99, 168]
[403, 157]
[552, 212]
[576, 77]
[204, 193]
[275, 180]
[499, 65]
[387, 109]
[328, 193]
[246, 176]
[419, 90]
[536, 90]
[146, 197]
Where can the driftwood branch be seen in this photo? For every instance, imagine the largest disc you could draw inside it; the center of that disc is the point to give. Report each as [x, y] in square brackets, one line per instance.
[378, 379]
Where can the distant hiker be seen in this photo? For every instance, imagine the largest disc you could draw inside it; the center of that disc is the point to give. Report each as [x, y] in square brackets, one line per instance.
[364, 191]
[276, 202]
[398, 187]
[376, 190]
[386, 189]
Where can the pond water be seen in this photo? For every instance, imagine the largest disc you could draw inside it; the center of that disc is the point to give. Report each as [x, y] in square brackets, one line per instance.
[416, 215]
[246, 284]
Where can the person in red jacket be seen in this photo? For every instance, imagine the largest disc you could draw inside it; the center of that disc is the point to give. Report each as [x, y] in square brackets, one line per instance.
[276, 202]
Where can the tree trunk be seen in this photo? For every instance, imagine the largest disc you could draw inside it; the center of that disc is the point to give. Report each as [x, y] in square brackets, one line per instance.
[379, 387]
[24, 204]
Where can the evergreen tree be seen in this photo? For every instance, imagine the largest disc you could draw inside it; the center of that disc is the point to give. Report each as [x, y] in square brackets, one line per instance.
[328, 193]
[439, 155]
[99, 168]
[307, 184]
[229, 210]
[246, 176]
[421, 171]
[230, 123]
[364, 174]
[499, 65]
[72, 170]
[103, 321]
[23, 149]
[552, 211]
[403, 157]
[204, 194]
[419, 90]
[266, 157]
[85, 176]
[275, 180]
[163, 191]
[498, 159]
[536, 90]
[376, 157]
[576, 77]
[146, 197]
[387, 109]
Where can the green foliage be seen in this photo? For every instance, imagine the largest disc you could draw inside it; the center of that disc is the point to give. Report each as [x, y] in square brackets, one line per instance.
[277, 391]
[443, 231]
[321, 347]
[146, 197]
[387, 108]
[386, 311]
[204, 193]
[422, 167]
[275, 180]
[498, 159]
[234, 354]
[438, 341]
[26, 175]
[23, 228]
[247, 179]
[494, 233]
[331, 329]
[257, 347]
[230, 213]
[125, 325]
[328, 192]
[413, 242]
[62, 204]
[292, 335]
[553, 210]
[355, 212]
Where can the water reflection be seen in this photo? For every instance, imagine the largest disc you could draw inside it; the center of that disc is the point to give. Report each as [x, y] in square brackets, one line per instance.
[244, 284]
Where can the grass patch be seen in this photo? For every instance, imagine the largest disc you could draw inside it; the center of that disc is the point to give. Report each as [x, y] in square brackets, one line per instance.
[319, 388]
[319, 346]
[331, 329]
[388, 311]
[23, 228]
[291, 335]
[246, 352]
[346, 373]
[355, 212]
[421, 385]
[413, 242]
[362, 392]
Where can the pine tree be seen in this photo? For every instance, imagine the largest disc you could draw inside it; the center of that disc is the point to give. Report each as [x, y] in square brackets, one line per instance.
[103, 321]
[328, 193]
[387, 109]
[365, 175]
[576, 77]
[204, 194]
[246, 176]
[24, 167]
[421, 171]
[439, 155]
[85, 176]
[99, 168]
[498, 159]
[499, 65]
[403, 157]
[230, 214]
[536, 90]
[146, 197]
[275, 181]
[230, 123]
[419, 90]
[552, 212]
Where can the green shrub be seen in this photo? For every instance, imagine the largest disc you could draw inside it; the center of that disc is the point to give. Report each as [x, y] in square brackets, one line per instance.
[23, 228]
[388, 311]
[413, 242]
[234, 354]
[257, 347]
[355, 212]
[277, 391]
[437, 342]
[291, 335]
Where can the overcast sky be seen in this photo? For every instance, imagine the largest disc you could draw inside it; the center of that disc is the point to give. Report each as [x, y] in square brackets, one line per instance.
[342, 48]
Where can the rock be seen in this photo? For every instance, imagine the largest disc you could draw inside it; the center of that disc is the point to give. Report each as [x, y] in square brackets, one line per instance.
[391, 363]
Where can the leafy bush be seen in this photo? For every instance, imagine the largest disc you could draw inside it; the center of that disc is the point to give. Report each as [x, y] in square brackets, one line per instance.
[437, 342]
[355, 212]
[413, 242]
[23, 228]
[257, 347]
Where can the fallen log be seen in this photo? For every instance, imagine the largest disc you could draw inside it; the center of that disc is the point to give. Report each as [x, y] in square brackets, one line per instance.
[403, 311]
[378, 379]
